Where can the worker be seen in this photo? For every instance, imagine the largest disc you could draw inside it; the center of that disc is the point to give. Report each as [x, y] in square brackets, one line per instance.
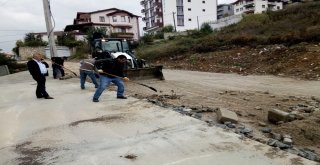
[87, 68]
[112, 71]
[38, 71]
[57, 67]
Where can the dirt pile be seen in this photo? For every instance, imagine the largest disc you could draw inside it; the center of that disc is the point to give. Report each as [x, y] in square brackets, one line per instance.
[300, 61]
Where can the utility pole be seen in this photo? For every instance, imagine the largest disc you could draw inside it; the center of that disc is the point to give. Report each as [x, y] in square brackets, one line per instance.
[174, 22]
[198, 22]
[50, 31]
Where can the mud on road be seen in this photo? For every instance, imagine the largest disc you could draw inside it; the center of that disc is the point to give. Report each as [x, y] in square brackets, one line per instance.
[250, 97]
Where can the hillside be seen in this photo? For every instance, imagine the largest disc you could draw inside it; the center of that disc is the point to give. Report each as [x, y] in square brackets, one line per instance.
[283, 43]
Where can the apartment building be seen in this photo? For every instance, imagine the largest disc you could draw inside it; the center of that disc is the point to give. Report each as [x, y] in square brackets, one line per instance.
[118, 23]
[182, 14]
[224, 10]
[256, 6]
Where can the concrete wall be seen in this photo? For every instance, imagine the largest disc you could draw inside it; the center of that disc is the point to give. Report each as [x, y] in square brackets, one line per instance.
[27, 52]
[220, 23]
[4, 70]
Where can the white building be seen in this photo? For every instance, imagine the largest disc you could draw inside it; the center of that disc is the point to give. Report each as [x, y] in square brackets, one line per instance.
[225, 10]
[256, 6]
[182, 14]
[118, 23]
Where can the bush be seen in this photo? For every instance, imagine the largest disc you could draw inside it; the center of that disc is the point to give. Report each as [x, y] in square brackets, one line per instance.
[12, 64]
[206, 29]
[81, 52]
[147, 39]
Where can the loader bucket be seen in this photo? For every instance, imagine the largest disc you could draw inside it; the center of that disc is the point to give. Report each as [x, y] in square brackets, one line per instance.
[153, 72]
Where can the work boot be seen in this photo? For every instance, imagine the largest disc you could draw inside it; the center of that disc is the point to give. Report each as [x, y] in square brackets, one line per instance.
[48, 97]
[121, 97]
[95, 100]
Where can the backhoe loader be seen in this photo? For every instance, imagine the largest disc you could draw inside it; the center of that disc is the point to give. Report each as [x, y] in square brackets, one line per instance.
[136, 69]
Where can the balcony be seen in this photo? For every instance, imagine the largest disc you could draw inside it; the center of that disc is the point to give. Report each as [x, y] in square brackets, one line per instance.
[249, 10]
[158, 4]
[249, 4]
[159, 24]
[220, 10]
[158, 13]
[122, 35]
[271, 4]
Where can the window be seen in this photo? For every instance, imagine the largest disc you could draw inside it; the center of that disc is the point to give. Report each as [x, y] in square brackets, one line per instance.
[123, 19]
[179, 2]
[101, 18]
[263, 6]
[189, 0]
[179, 10]
[180, 20]
[241, 9]
[129, 20]
[278, 7]
[123, 30]
[237, 10]
[114, 18]
[204, 10]
[189, 19]
[203, 1]
[189, 9]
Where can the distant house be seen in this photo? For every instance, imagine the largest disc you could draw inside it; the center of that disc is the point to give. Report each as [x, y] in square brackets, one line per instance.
[256, 6]
[224, 10]
[118, 23]
[182, 14]
[44, 35]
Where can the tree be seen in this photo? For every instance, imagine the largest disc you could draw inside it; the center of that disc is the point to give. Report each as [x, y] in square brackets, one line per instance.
[147, 39]
[167, 29]
[34, 40]
[93, 30]
[69, 40]
[206, 28]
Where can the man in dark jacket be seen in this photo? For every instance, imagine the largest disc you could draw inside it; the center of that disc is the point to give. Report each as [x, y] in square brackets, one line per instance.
[112, 72]
[57, 67]
[38, 71]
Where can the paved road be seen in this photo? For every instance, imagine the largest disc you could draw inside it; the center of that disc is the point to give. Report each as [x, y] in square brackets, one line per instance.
[71, 129]
[277, 85]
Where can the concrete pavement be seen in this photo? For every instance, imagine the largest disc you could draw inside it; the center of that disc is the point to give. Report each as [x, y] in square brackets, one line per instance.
[71, 129]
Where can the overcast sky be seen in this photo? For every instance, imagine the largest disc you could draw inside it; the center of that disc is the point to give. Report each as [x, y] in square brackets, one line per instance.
[19, 17]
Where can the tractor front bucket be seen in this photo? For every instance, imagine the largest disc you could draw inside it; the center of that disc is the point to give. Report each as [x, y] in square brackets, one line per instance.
[153, 72]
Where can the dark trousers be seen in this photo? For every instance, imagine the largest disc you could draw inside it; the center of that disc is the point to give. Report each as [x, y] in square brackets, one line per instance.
[41, 87]
[57, 71]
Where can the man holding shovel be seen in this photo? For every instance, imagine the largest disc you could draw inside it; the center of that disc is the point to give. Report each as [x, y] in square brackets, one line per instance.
[112, 71]
[87, 68]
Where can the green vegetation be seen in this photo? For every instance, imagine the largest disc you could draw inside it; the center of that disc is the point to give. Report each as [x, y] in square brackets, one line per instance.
[69, 40]
[29, 40]
[12, 64]
[296, 24]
